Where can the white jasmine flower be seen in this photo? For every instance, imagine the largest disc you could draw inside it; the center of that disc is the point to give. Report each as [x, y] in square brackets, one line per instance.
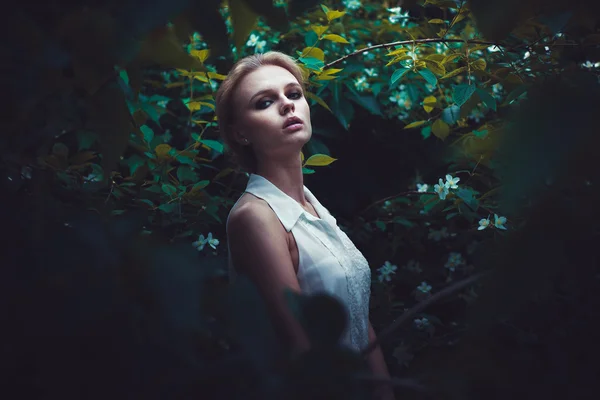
[361, 83]
[260, 46]
[371, 72]
[441, 189]
[483, 223]
[454, 260]
[352, 4]
[252, 41]
[202, 241]
[421, 323]
[451, 182]
[424, 287]
[438, 235]
[386, 271]
[499, 222]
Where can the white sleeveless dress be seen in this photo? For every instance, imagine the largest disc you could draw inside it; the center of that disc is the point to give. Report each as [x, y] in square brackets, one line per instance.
[328, 260]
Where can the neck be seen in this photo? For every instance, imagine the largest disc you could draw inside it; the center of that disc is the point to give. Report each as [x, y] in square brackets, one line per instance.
[286, 175]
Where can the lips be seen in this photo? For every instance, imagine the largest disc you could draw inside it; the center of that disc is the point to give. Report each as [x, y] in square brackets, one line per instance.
[291, 121]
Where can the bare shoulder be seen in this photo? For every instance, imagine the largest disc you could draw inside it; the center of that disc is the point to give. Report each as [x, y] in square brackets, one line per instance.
[259, 248]
[256, 237]
[250, 212]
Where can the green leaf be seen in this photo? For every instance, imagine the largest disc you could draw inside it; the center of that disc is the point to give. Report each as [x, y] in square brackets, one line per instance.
[467, 196]
[451, 215]
[431, 201]
[451, 114]
[486, 98]
[134, 162]
[398, 74]
[318, 30]
[211, 209]
[318, 100]
[154, 189]
[462, 93]
[340, 106]
[152, 110]
[480, 134]
[332, 14]
[213, 144]
[200, 185]
[148, 133]
[516, 93]
[185, 174]
[169, 207]
[312, 63]
[429, 103]
[440, 129]
[415, 124]
[123, 74]
[455, 72]
[428, 76]
[479, 65]
[381, 225]
[312, 52]
[435, 67]
[86, 139]
[307, 171]
[376, 88]
[148, 202]
[169, 189]
[185, 159]
[403, 221]
[369, 103]
[426, 132]
[310, 38]
[319, 160]
[335, 38]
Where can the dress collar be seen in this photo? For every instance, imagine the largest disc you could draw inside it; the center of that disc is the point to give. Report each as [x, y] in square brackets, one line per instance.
[287, 209]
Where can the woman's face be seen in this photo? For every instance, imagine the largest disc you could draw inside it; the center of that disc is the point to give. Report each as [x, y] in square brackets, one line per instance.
[264, 101]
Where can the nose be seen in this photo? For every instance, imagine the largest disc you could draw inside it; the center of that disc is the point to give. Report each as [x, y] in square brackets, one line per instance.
[287, 106]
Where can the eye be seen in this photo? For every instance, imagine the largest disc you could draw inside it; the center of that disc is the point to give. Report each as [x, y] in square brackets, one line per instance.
[264, 103]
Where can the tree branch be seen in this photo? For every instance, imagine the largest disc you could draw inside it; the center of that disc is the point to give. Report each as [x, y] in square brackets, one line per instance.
[419, 307]
[407, 193]
[415, 41]
[442, 40]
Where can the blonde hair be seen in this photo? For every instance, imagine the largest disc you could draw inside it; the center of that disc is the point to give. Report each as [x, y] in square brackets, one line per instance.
[244, 155]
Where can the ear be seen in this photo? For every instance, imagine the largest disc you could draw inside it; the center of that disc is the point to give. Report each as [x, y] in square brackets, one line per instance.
[239, 137]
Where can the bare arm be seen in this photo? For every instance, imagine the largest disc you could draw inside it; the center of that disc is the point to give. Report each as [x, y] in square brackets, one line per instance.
[378, 366]
[259, 248]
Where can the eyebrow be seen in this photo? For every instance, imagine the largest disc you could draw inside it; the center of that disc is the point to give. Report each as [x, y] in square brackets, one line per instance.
[270, 89]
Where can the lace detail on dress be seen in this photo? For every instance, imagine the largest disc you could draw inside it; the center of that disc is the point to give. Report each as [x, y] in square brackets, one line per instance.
[358, 283]
[359, 286]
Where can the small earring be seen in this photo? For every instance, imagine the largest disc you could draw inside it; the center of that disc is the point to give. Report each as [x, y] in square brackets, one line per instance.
[245, 140]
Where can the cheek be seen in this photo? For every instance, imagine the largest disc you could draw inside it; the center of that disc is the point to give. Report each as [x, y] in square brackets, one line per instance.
[258, 121]
[305, 105]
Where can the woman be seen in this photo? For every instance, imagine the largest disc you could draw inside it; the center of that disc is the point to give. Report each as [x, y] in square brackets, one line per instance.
[278, 233]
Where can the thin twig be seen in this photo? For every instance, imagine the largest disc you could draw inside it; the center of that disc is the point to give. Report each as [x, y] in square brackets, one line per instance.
[420, 307]
[438, 40]
[512, 64]
[410, 192]
[462, 3]
[414, 41]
